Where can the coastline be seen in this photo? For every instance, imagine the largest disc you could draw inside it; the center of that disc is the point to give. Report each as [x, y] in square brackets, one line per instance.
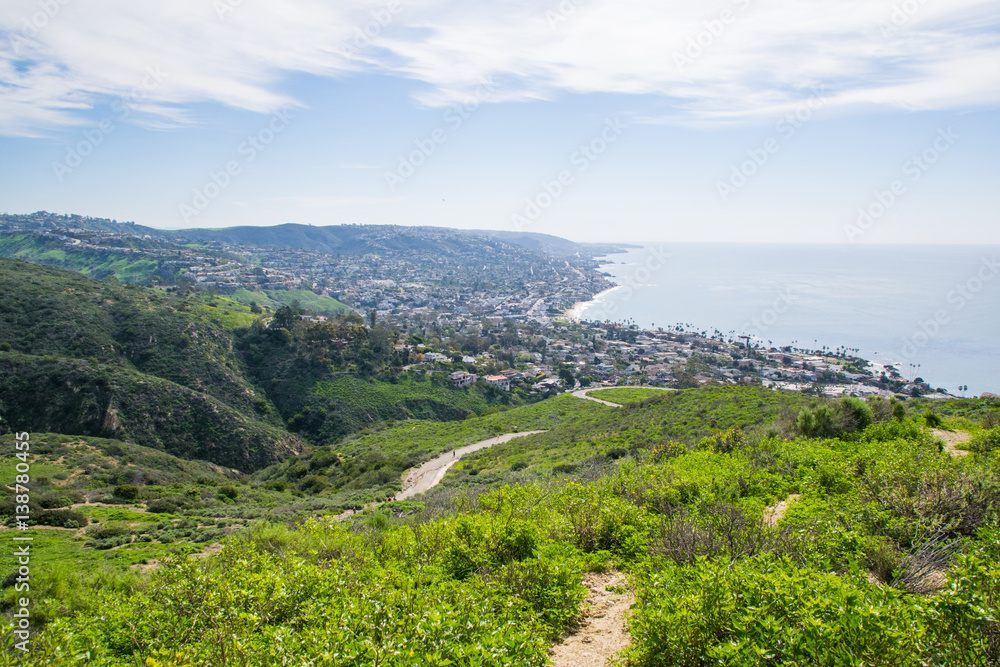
[812, 297]
[574, 314]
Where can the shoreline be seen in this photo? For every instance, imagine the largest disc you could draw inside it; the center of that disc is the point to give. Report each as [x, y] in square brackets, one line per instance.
[575, 312]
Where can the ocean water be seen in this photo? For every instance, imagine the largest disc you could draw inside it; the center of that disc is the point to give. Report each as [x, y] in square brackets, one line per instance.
[934, 311]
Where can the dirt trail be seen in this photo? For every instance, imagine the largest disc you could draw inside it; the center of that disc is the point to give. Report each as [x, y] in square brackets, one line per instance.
[774, 513]
[154, 563]
[952, 438]
[583, 393]
[427, 476]
[601, 635]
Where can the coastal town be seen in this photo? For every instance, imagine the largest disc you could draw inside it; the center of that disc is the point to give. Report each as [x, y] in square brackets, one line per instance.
[476, 308]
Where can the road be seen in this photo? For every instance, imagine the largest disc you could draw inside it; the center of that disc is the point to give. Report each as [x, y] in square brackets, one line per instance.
[427, 476]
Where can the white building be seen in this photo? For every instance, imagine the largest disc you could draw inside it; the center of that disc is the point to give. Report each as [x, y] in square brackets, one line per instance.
[498, 381]
[462, 379]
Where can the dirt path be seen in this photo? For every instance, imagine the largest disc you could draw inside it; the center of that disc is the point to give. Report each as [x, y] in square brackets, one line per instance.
[427, 476]
[583, 393]
[952, 438]
[774, 513]
[154, 563]
[601, 635]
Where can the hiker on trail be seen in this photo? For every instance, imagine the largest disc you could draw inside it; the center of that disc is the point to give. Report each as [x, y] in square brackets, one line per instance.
[454, 453]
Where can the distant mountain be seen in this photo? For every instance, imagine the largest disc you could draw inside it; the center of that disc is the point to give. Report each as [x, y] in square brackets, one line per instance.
[552, 245]
[364, 239]
[43, 220]
[333, 239]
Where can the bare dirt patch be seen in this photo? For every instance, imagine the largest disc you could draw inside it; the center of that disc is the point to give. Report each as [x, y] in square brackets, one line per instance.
[602, 634]
[952, 438]
[154, 563]
[774, 513]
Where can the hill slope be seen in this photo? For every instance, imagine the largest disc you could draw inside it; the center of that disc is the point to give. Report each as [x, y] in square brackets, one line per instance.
[84, 357]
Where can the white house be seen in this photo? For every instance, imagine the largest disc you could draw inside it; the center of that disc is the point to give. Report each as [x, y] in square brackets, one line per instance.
[462, 379]
[498, 381]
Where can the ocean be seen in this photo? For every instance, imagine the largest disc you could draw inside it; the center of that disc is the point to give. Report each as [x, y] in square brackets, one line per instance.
[933, 311]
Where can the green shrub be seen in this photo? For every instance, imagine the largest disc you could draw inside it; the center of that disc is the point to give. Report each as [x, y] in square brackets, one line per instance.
[59, 499]
[769, 611]
[126, 492]
[932, 420]
[855, 414]
[161, 506]
[848, 415]
[985, 442]
[105, 532]
[229, 492]
[62, 519]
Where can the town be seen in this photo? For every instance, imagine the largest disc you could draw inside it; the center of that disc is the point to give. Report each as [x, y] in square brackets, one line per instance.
[477, 308]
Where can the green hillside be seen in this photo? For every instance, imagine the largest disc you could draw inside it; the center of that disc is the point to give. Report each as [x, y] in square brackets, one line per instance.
[84, 357]
[96, 263]
[307, 300]
[201, 376]
[73, 396]
[191, 463]
[885, 550]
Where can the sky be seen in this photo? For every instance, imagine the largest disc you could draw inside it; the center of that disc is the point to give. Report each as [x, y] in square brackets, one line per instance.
[818, 121]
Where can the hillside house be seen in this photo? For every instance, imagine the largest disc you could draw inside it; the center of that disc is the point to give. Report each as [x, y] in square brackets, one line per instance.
[462, 379]
[498, 381]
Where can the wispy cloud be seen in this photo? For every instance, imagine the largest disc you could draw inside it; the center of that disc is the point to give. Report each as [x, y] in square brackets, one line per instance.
[753, 57]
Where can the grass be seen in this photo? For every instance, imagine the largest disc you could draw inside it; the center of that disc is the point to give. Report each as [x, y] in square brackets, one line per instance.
[453, 577]
[308, 300]
[375, 395]
[231, 316]
[368, 466]
[98, 263]
[623, 395]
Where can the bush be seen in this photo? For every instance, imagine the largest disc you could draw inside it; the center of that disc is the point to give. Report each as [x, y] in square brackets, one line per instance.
[314, 484]
[768, 612]
[932, 420]
[62, 519]
[126, 492]
[229, 492]
[59, 499]
[849, 415]
[855, 415]
[103, 533]
[161, 506]
[817, 423]
[985, 442]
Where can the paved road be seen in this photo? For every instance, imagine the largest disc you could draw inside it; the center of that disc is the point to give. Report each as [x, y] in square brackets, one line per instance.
[427, 476]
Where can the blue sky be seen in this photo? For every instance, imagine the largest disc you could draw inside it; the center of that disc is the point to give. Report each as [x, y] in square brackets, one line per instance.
[596, 120]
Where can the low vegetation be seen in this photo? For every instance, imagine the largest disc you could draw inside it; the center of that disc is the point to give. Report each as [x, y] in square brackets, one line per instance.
[886, 553]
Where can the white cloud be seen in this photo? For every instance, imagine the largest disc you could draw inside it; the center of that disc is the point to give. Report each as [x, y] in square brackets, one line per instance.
[754, 56]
